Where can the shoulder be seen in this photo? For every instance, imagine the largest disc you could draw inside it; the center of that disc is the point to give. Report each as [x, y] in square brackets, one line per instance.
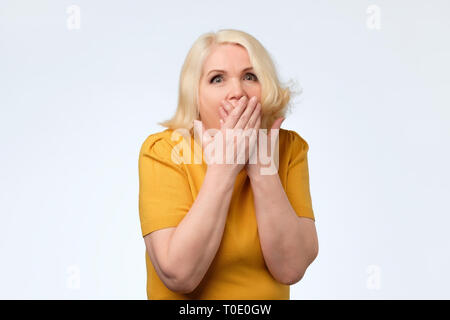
[293, 141]
[158, 145]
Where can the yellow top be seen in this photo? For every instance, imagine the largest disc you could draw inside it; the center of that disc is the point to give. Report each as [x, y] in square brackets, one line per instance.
[167, 190]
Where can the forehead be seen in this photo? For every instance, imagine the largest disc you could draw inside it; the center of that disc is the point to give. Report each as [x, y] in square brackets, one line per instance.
[228, 56]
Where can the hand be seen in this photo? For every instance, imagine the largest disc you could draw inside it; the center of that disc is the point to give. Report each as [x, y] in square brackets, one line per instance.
[251, 129]
[242, 117]
[256, 169]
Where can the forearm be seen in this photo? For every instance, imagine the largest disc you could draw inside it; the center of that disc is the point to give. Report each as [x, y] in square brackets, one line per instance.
[196, 239]
[288, 247]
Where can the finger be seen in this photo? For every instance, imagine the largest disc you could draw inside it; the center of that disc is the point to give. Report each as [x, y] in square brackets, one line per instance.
[252, 121]
[227, 106]
[206, 136]
[223, 114]
[257, 125]
[235, 115]
[246, 114]
[199, 128]
[258, 122]
[254, 138]
[257, 131]
[276, 126]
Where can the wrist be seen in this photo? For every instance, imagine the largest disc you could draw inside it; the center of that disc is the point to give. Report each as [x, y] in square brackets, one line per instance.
[262, 178]
[221, 175]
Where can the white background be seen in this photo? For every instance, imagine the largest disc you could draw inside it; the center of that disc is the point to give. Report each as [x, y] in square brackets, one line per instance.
[76, 105]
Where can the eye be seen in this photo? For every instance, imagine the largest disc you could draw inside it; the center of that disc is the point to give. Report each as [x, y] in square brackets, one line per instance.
[212, 80]
[253, 76]
[249, 73]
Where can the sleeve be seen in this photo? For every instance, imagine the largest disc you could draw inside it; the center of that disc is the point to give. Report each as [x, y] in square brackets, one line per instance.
[164, 192]
[297, 183]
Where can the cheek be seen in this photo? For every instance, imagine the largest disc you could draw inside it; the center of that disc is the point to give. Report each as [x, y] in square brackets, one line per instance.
[258, 93]
[255, 91]
[209, 110]
[210, 99]
[207, 102]
[212, 104]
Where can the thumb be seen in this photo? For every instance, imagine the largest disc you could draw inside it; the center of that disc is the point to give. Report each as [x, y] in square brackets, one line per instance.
[206, 136]
[200, 129]
[277, 124]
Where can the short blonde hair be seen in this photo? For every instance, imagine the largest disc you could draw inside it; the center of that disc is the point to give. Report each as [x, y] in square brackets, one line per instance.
[274, 97]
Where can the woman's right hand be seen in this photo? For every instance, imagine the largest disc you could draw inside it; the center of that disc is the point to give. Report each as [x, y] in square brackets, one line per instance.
[241, 122]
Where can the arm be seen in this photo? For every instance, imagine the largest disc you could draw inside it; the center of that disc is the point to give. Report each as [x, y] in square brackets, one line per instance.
[194, 243]
[289, 242]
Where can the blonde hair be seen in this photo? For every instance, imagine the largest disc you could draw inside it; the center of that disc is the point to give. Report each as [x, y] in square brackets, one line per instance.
[274, 97]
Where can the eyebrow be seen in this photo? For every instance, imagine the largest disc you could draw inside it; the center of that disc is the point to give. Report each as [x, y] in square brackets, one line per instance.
[223, 71]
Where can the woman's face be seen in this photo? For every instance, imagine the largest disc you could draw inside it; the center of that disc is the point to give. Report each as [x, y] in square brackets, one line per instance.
[234, 79]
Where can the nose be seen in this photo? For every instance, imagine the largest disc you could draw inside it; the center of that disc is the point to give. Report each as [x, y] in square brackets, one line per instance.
[236, 92]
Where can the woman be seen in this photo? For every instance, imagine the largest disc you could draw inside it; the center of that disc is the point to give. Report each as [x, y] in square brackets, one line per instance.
[220, 230]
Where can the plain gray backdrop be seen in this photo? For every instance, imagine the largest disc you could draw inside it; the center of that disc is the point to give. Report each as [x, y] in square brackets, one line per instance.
[83, 83]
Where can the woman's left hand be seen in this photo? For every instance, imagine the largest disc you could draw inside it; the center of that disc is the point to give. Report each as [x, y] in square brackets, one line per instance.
[254, 169]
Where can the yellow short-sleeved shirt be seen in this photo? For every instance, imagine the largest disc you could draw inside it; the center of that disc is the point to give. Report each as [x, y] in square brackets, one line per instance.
[167, 190]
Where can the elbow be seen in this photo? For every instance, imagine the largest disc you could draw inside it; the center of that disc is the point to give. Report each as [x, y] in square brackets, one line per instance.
[294, 277]
[179, 283]
[180, 286]
[293, 281]
[288, 277]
